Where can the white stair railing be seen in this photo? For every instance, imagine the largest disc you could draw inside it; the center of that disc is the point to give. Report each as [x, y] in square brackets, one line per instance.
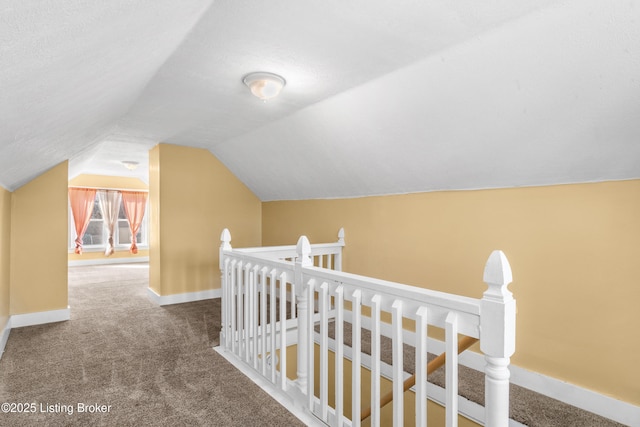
[256, 287]
[260, 304]
[326, 255]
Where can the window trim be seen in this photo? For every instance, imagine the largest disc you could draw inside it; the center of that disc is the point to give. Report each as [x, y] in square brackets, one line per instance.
[143, 244]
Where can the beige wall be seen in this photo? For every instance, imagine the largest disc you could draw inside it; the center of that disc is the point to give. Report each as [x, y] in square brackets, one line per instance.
[38, 270]
[193, 196]
[5, 232]
[573, 249]
[109, 182]
[155, 278]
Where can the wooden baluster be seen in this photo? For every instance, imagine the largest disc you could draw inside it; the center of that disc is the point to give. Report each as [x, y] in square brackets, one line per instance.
[498, 320]
[310, 344]
[421, 366]
[255, 311]
[337, 263]
[375, 360]
[451, 380]
[339, 360]
[224, 303]
[225, 245]
[272, 323]
[292, 301]
[247, 312]
[263, 319]
[398, 370]
[303, 259]
[233, 336]
[355, 357]
[283, 331]
[240, 305]
[324, 350]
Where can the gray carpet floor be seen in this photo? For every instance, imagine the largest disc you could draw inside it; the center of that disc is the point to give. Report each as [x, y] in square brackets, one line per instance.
[154, 366]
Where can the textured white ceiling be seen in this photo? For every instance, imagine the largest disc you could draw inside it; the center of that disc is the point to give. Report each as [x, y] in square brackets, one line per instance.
[70, 69]
[381, 97]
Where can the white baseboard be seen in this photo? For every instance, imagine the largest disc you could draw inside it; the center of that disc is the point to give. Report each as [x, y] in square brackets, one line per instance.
[281, 397]
[181, 298]
[40, 317]
[5, 336]
[588, 400]
[605, 406]
[106, 260]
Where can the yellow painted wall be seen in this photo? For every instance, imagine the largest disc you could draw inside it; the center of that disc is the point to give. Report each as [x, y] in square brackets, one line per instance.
[38, 270]
[5, 233]
[574, 251]
[155, 278]
[193, 197]
[109, 182]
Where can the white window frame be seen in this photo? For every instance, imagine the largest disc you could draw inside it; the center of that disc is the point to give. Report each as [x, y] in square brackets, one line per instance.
[142, 244]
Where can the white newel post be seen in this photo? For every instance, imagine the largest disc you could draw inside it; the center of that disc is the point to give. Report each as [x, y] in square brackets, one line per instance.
[303, 259]
[225, 238]
[497, 338]
[337, 265]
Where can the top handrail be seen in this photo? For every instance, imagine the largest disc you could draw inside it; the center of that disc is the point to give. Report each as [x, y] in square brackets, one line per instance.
[497, 276]
[333, 251]
[399, 290]
[290, 251]
[277, 255]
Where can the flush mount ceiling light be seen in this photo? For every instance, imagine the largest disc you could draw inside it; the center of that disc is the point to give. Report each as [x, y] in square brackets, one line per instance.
[130, 164]
[264, 85]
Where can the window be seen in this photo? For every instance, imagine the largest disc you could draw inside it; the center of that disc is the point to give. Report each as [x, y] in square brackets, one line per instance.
[124, 231]
[96, 236]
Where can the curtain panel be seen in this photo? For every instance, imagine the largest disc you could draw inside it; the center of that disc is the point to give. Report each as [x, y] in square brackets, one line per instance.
[134, 205]
[81, 200]
[109, 201]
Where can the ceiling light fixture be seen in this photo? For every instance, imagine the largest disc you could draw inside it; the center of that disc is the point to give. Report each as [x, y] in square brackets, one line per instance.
[130, 164]
[264, 85]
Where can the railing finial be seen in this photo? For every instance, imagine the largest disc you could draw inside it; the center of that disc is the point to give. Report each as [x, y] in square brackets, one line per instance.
[497, 275]
[225, 238]
[341, 235]
[497, 338]
[303, 249]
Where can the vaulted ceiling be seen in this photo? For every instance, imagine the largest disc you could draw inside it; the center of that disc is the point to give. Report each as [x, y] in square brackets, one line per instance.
[381, 97]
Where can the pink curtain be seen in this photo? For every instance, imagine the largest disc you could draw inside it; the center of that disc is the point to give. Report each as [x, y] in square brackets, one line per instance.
[81, 200]
[109, 206]
[134, 204]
